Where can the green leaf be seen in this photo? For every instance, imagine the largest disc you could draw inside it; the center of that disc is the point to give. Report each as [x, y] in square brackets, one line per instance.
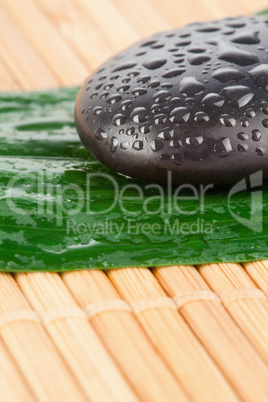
[263, 12]
[57, 212]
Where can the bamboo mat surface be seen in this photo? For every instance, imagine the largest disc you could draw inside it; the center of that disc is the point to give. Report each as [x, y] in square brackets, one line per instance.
[177, 333]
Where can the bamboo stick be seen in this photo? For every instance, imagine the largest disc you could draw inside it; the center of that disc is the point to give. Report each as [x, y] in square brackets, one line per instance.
[258, 272]
[21, 58]
[87, 358]
[222, 338]
[11, 376]
[32, 349]
[7, 81]
[118, 31]
[248, 308]
[39, 31]
[178, 15]
[124, 338]
[172, 337]
[222, 9]
[252, 7]
[144, 15]
[81, 33]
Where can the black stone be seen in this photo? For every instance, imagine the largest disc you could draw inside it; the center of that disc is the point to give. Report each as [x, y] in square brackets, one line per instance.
[193, 101]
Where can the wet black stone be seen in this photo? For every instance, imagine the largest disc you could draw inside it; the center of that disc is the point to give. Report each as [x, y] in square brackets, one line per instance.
[193, 101]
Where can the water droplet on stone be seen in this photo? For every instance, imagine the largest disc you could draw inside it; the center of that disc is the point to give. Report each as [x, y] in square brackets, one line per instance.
[157, 46]
[138, 145]
[242, 136]
[160, 118]
[123, 88]
[166, 85]
[208, 29]
[139, 91]
[130, 131]
[246, 38]
[179, 115]
[114, 144]
[196, 50]
[126, 104]
[148, 43]
[227, 120]
[250, 113]
[153, 64]
[143, 79]
[223, 146]
[100, 134]
[256, 135]
[228, 31]
[176, 143]
[156, 145]
[238, 95]
[104, 95]
[174, 72]
[145, 128]
[177, 159]
[236, 55]
[156, 108]
[242, 147]
[133, 74]
[108, 86]
[244, 122]
[265, 123]
[190, 86]
[196, 60]
[139, 114]
[213, 99]
[166, 134]
[190, 101]
[97, 110]
[176, 100]
[125, 66]
[264, 107]
[227, 74]
[94, 95]
[119, 119]
[183, 43]
[201, 117]
[236, 24]
[124, 144]
[185, 35]
[154, 84]
[259, 76]
[260, 151]
[179, 61]
[114, 98]
[161, 96]
[194, 140]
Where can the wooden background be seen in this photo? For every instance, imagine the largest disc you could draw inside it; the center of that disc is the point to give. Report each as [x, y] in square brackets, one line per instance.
[170, 334]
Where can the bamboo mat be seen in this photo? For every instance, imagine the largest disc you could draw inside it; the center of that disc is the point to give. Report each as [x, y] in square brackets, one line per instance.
[178, 333]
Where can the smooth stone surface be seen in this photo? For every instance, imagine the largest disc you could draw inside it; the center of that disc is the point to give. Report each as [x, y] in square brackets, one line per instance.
[193, 101]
